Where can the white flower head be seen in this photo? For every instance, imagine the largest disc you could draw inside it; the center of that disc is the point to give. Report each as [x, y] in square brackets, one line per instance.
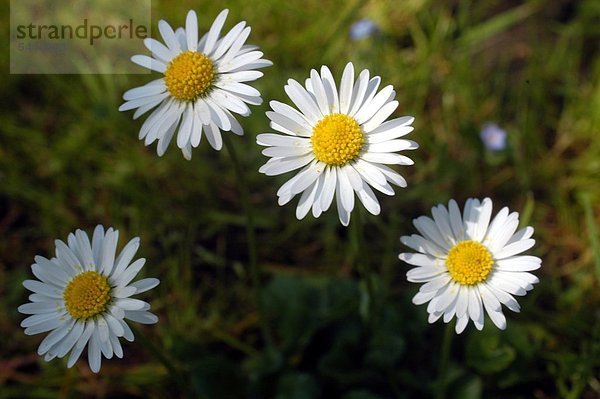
[340, 139]
[83, 297]
[469, 264]
[202, 87]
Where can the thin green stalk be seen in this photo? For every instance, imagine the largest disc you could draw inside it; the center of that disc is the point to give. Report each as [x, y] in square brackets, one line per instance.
[363, 262]
[442, 378]
[255, 272]
[231, 340]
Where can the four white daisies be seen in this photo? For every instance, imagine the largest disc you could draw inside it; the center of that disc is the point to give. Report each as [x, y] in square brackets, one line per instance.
[341, 141]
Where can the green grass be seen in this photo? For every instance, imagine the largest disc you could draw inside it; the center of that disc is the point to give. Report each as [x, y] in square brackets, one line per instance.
[69, 159]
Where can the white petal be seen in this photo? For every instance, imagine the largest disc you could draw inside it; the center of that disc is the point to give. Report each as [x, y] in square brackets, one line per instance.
[303, 100]
[319, 92]
[358, 93]
[456, 222]
[515, 248]
[277, 166]
[329, 187]
[330, 90]
[307, 177]
[228, 40]
[159, 50]
[369, 200]
[306, 200]
[72, 338]
[213, 135]
[169, 37]
[191, 30]
[441, 218]
[125, 257]
[288, 123]
[109, 249]
[130, 304]
[42, 288]
[185, 129]
[269, 139]
[41, 307]
[345, 191]
[461, 323]
[54, 337]
[142, 317]
[422, 297]
[430, 231]
[292, 114]
[421, 260]
[504, 297]
[436, 283]
[423, 274]
[522, 263]
[149, 62]
[94, 355]
[372, 106]
[215, 30]
[522, 234]
[380, 116]
[145, 284]
[129, 273]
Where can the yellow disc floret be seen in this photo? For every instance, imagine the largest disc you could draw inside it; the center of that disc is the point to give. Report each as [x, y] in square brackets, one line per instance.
[469, 262]
[189, 75]
[87, 295]
[337, 139]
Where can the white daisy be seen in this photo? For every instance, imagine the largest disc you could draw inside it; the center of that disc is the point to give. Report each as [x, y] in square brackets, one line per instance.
[83, 297]
[340, 140]
[469, 264]
[203, 84]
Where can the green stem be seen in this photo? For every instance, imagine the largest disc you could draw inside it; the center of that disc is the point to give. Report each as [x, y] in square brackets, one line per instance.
[363, 263]
[231, 340]
[255, 272]
[442, 378]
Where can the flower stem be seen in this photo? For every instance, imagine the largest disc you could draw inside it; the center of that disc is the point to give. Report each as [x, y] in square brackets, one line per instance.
[442, 378]
[255, 271]
[363, 263]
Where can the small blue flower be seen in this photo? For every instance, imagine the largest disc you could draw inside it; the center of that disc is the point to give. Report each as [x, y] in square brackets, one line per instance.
[493, 137]
[362, 29]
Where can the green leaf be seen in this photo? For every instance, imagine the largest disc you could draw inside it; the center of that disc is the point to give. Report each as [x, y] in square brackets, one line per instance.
[298, 307]
[486, 352]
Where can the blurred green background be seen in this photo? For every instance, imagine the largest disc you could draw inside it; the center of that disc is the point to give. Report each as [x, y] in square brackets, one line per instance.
[69, 159]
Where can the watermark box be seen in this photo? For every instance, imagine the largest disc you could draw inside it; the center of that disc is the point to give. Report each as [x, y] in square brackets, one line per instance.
[77, 36]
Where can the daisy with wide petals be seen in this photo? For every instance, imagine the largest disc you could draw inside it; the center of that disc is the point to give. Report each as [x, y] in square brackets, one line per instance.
[340, 140]
[83, 297]
[469, 264]
[204, 84]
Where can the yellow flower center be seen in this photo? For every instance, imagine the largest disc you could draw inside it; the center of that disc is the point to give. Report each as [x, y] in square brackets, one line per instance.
[469, 262]
[337, 139]
[189, 75]
[87, 295]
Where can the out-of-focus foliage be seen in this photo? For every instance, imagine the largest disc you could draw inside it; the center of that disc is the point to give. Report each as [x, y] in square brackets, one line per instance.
[69, 159]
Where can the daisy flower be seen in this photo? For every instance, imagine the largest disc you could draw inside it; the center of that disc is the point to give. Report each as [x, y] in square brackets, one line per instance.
[202, 87]
[340, 141]
[83, 297]
[469, 264]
